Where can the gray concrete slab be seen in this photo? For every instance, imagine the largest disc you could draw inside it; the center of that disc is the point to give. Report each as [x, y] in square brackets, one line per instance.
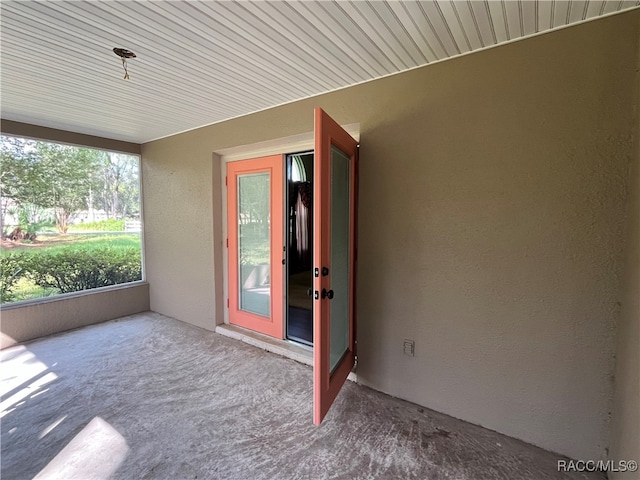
[148, 397]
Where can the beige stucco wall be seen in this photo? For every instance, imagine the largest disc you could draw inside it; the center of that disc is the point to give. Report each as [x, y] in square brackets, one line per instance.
[492, 204]
[625, 419]
[25, 321]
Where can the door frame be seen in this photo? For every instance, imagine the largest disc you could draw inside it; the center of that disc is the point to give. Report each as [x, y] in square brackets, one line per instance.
[220, 158]
[274, 324]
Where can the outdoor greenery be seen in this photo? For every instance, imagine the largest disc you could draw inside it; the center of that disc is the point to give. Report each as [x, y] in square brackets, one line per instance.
[60, 266]
[254, 224]
[43, 181]
[111, 225]
[76, 270]
[11, 272]
[62, 219]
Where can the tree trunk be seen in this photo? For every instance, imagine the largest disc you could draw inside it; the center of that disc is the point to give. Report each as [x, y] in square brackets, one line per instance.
[3, 210]
[62, 219]
[116, 205]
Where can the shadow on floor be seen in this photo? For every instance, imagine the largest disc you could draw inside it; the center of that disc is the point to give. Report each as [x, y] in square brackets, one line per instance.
[165, 399]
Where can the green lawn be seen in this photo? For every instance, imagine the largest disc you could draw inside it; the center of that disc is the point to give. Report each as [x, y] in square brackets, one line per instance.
[47, 244]
[85, 241]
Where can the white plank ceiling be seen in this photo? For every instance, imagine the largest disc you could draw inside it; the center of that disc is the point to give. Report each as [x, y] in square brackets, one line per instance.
[201, 62]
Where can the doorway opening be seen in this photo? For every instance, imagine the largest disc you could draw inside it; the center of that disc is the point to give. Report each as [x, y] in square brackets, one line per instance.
[299, 247]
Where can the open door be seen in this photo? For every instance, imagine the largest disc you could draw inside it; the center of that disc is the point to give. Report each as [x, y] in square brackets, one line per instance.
[334, 339]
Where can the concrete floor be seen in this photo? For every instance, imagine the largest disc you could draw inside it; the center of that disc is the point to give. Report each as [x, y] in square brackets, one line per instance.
[150, 397]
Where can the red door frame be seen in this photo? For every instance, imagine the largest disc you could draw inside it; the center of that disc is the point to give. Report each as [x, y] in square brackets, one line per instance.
[274, 164]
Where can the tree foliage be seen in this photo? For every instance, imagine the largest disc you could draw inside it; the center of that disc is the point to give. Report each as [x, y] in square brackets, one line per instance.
[66, 179]
[116, 186]
[20, 173]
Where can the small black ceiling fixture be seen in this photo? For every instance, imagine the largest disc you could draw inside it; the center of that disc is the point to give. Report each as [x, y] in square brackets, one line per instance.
[124, 54]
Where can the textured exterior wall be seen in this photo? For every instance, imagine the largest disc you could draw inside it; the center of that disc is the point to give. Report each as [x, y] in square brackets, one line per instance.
[625, 419]
[492, 207]
[20, 323]
[179, 243]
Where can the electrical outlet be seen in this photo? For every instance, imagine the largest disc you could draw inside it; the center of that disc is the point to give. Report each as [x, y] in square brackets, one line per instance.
[409, 347]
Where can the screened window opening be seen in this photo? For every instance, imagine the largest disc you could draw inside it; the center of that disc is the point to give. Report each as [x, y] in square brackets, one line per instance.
[70, 219]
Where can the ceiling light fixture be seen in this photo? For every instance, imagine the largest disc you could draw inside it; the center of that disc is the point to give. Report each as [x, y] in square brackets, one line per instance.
[124, 54]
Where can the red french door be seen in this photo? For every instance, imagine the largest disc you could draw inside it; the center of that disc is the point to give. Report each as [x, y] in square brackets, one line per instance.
[334, 333]
[255, 216]
[255, 229]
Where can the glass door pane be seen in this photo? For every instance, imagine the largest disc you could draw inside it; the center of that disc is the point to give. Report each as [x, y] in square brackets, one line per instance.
[254, 243]
[339, 266]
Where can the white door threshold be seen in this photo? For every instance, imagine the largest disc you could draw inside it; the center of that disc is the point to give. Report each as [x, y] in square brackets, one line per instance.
[295, 351]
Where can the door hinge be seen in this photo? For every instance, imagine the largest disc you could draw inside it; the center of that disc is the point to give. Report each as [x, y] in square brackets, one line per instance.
[226, 181]
[227, 243]
[227, 303]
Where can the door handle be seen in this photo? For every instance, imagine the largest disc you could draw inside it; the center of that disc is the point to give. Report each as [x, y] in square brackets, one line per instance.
[327, 293]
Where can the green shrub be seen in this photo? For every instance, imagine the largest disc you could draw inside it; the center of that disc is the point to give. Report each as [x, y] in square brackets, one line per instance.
[110, 225]
[75, 270]
[11, 271]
